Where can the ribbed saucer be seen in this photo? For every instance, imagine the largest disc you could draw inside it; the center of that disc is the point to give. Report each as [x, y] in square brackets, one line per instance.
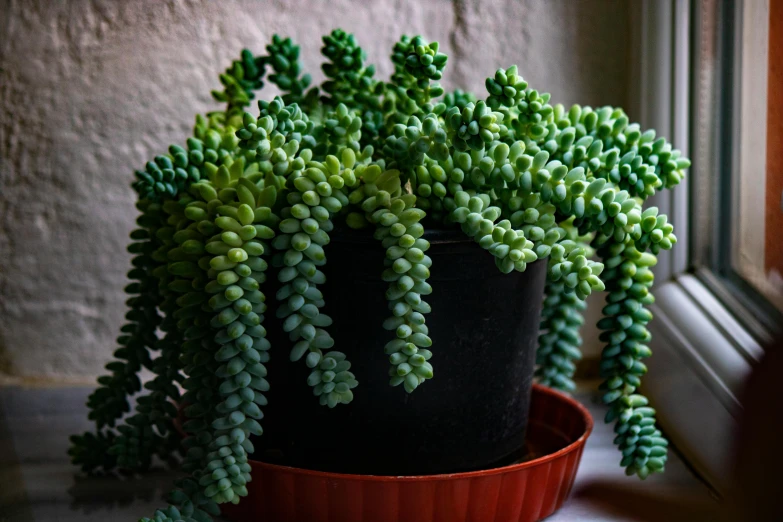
[522, 492]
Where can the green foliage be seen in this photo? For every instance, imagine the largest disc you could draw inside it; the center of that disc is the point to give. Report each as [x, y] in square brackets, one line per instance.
[90, 451]
[284, 58]
[106, 449]
[350, 82]
[150, 430]
[629, 279]
[525, 179]
[399, 229]
[558, 345]
[458, 98]
[239, 81]
[418, 67]
[240, 214]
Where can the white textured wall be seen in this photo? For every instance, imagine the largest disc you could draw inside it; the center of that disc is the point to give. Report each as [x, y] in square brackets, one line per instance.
[89, 90]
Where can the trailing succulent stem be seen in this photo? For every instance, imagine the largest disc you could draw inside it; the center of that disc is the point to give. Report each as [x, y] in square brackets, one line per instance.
[255, 195]
[106, 449]
[558, 345]
[398, 229]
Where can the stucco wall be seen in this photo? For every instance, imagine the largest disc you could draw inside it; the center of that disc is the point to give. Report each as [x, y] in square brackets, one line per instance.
[89, 90]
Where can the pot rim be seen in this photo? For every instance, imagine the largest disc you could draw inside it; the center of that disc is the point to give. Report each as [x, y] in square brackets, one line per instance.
[573, 446]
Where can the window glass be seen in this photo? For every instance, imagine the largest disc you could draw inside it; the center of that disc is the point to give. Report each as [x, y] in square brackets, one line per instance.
[736, 183]
[757, 253]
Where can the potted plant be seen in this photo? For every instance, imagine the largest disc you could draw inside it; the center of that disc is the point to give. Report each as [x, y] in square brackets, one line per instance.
[404, 181]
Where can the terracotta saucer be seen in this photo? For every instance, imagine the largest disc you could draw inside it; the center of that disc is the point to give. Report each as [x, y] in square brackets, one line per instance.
[528, 490]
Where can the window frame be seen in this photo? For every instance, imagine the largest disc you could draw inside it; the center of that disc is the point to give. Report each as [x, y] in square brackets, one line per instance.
[735, 91]
[709, 324]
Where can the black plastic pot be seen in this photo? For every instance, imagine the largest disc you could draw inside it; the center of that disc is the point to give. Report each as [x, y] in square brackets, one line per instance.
[471, 415]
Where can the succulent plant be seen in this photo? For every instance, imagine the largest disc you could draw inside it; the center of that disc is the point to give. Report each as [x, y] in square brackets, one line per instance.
[527, 180]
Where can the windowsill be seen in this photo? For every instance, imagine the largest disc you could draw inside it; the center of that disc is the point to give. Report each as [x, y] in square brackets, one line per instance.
[701, 358]
[40, 484]
[602, 492]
